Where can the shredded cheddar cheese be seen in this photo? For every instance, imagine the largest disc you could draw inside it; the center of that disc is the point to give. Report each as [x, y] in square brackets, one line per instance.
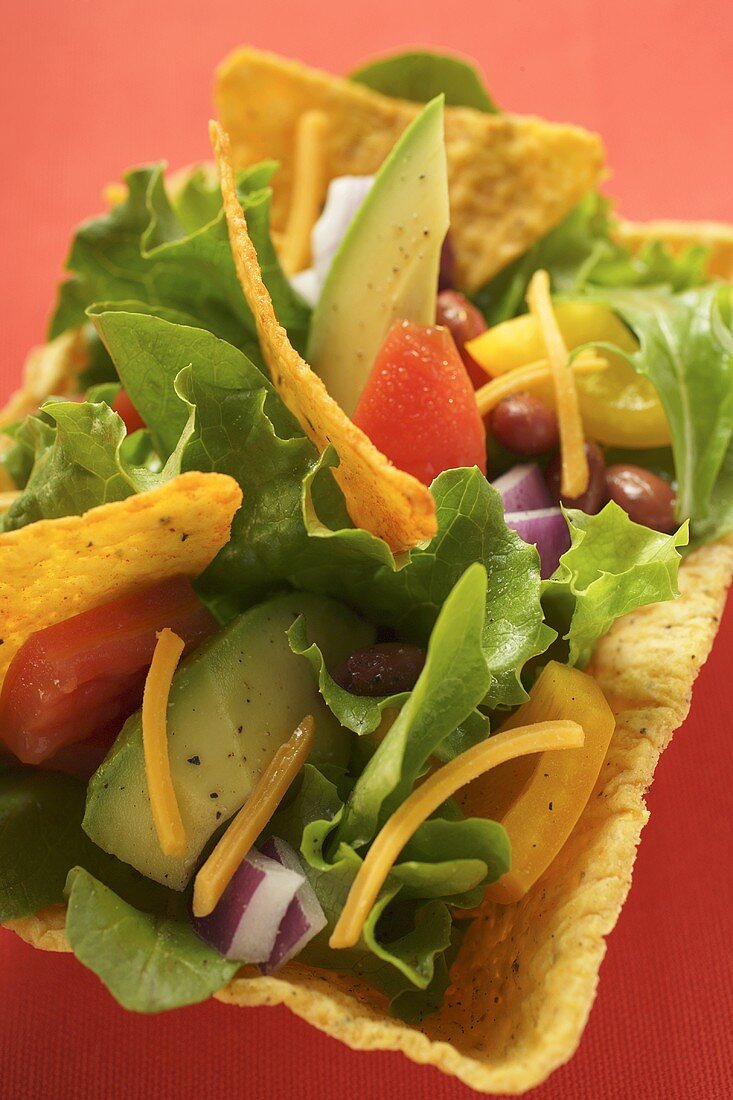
[216, 874]
[490, 394]
[575, 472]
[425, 799]
[309, 182]
[166, 815]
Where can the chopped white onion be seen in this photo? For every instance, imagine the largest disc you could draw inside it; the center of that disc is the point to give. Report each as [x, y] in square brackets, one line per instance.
[304, 918]
[547, 529]
[345, 196]
[245, 923]
[523, 489]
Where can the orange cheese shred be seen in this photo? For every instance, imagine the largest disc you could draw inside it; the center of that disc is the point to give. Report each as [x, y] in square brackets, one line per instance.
[425, 799]
[309, 184]
[163, 804]
[216, 874]
[489, 395]
[575, 472]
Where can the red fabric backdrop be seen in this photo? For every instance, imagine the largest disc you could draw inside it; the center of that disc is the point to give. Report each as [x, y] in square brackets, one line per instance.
[88, 88]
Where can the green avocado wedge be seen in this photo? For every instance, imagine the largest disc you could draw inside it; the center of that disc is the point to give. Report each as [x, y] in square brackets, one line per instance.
[232, 704]
[387, 265]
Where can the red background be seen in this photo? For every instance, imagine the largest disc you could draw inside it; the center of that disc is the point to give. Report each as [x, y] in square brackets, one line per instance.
[88, 88]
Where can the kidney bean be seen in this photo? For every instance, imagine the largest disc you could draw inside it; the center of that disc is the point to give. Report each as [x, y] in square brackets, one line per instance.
[522, 424]
[464, 321]
[644, 496]
[447, 271]
[596, 495]
[382, 669]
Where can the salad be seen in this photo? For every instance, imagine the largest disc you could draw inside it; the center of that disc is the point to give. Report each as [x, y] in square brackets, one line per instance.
[362, 530]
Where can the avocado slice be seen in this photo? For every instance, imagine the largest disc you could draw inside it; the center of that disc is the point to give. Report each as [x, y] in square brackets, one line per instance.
[233, 702]
[387, 265]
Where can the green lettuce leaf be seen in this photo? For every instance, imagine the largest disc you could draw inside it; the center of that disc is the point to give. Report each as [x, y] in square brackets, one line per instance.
[613, 566]
[41, 839]
[686, 350]
[176, 254]
[83, 459]
[580, 255]
[149, 963]
[420, 75]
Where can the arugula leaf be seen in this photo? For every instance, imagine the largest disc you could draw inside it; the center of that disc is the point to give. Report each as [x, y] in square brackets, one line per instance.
[612, 567]
[160, 252]
[454, 680]
[686, 350]
[41, 839]
[580, 254]
[420, 75]
[149, 963]
[409, 940]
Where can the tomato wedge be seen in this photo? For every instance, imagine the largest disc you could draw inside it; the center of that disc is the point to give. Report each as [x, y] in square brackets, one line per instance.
[418, 405]
[82, 677]
[125, 409]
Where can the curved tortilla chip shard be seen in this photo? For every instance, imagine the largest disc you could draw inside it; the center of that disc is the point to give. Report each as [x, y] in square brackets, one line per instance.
[390, 503]
[56, 568]
[511, 178]
[677, 236]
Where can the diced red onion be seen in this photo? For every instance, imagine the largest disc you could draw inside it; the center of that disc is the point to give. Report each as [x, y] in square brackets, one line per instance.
[345, 196]
[304, 918]
[245, 923]
[523, 489]
[547, 529]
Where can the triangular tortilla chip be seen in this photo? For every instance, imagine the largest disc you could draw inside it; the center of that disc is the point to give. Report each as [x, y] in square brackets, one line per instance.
[51, 368]
[511, 178]
[380, 498]
[526, 976]
[56, 568]
[678, 235]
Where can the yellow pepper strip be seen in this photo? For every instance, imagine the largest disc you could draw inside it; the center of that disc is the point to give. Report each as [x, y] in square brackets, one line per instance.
[490, 394]
[216, 874]
[163, 803]
[309, 183]
[425, 799]
[575, 471]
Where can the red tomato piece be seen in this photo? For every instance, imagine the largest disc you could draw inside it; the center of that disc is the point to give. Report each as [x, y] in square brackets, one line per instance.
[84, 676]
[418, 405]
[124, 408]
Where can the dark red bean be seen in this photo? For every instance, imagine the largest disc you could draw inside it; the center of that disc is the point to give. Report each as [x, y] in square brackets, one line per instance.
[595, 496]
[522, 424]
[644, 496]
[464, 322]
[447, 271]
[382, 669]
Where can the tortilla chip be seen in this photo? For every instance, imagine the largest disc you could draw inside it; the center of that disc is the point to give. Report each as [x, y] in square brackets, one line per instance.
[680, 235]
[51, 368]
[526, 976]
[380, 498]
[511, 178]
[56, 568]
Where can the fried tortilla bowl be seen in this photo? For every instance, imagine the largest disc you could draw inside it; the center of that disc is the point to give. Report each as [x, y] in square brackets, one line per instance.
[524, 982]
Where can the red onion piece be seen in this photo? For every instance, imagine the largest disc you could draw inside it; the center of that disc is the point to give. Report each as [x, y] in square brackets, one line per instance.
[547, 529]
[523, 489]
[304, 917]
[345, 196]
[245, 923]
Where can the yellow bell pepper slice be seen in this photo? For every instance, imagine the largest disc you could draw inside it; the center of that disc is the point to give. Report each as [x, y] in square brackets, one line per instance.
[619, 407]
[539, 799]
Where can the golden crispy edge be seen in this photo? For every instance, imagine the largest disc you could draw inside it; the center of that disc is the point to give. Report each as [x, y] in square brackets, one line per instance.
[526, 977]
